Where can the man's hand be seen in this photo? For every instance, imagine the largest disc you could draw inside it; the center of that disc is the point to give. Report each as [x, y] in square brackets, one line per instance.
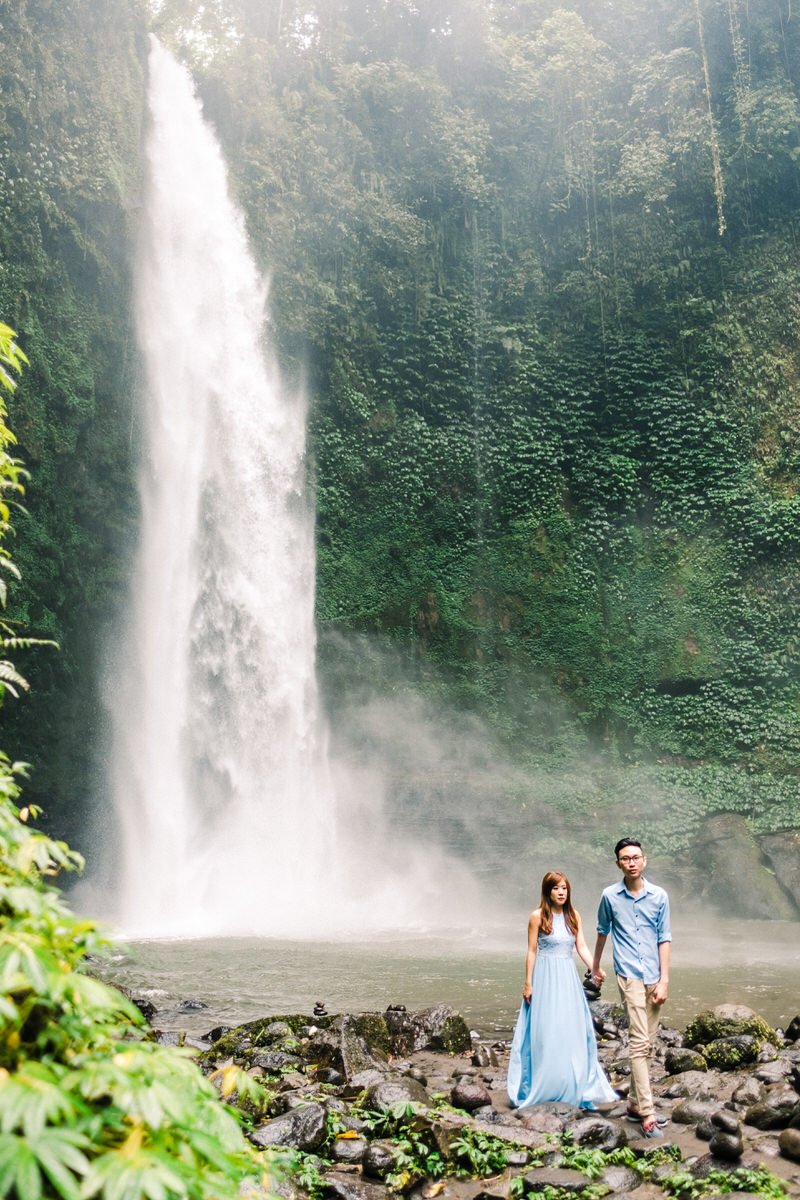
[660, 991]
[599, 975]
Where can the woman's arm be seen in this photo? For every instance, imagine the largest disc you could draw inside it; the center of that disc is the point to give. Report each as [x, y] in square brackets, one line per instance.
[580, 943]
[530, 958]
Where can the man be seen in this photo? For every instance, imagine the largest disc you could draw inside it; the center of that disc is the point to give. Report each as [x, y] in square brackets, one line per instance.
[636, 914]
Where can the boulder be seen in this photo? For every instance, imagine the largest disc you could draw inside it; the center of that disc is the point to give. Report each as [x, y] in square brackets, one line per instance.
[392, 1090]
[789, 1143]
[731, 1053]
[437, 1028]
[727, 1020]
[792, 1032]
[469, 1096]
[738, 878]
[352, 1187]
[728, 1146]
[676, 1061]
[775, 1109]
[690, 1112]
[303, 1128]
[563, 1179]
[348, 1150]
[598, 1132]
[782, 852]
[380, 1159]
[620, 1179]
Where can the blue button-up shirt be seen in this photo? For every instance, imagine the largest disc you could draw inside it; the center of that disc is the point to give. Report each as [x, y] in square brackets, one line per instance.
[638, 924]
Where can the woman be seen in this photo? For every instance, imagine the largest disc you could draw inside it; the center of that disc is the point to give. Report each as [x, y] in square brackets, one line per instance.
[554, 1052]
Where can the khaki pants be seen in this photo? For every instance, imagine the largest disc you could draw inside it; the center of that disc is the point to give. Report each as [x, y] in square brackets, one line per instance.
[643, 1017]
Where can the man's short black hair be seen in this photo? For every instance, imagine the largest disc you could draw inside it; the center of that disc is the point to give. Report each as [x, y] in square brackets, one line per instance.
[626, 842]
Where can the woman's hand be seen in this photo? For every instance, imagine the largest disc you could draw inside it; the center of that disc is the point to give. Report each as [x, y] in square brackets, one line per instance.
[527, 992]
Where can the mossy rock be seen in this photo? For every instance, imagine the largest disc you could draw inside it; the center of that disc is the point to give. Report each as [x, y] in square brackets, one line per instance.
[372, 1028]
[732, 1053]
[453, 1036]
[239, 1042]
[728, 1021]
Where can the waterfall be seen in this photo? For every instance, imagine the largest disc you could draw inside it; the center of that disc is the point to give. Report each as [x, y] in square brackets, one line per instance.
[220, 773]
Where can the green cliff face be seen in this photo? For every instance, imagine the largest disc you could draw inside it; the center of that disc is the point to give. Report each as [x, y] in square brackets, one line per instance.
[71, 96]
[537, 267]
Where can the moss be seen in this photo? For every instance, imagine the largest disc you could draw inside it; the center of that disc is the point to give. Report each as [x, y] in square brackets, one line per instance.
[372, 1028]
[454, 1036]
[710, 1027]
[732, 1053]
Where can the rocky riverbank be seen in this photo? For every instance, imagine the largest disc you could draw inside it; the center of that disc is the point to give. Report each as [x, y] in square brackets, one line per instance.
[378, 1104]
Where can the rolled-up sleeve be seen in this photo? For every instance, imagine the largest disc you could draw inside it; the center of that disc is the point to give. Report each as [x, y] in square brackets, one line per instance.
[604, 916]
[663, 932]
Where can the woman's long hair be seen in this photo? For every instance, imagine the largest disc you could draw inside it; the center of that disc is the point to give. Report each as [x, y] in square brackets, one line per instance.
[570, 918]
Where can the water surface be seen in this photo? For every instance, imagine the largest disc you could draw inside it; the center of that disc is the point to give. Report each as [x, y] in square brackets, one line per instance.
[479, 972]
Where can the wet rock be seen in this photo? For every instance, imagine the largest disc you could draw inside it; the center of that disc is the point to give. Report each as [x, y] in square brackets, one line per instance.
[705, 1129]
[691, 1083]
[469, 1096]
[690, 1112]
[303, 1128]
[732, 1053]
[365, 1079]
[775, 1071]
[275, 1060]
[789, 1143]
[560, 1178]
[775, 1109]
[726, 1121]
[348, 1150]
[541, 1122]
[484, 1056]
[352, 1187]
[415, 1073]
[599, 1133]
[380, 1159]
[728, 1146]
[677, 1061]
[620, 1179]
[328, 1075]
[792, 1031]
[487, 1113]
[217, 1032]
[381, 1097]
[748, 1091]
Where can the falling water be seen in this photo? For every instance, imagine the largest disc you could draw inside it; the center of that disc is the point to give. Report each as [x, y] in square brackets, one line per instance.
[221, 779]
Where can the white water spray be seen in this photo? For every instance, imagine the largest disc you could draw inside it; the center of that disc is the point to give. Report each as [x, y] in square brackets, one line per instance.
[222, 786]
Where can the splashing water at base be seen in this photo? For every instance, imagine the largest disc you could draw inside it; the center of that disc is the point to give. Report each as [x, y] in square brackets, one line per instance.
[220, 770]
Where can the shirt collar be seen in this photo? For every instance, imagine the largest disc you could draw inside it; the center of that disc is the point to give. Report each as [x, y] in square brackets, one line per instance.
[646, 888]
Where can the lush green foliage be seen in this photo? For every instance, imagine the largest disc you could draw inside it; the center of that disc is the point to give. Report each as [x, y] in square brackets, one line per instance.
[537, 265]
[71, 90]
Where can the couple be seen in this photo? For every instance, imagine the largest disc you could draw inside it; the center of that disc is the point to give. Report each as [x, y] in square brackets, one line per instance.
[554, 1052]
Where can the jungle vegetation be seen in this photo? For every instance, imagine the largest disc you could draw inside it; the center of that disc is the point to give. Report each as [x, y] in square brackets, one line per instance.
[537, 266]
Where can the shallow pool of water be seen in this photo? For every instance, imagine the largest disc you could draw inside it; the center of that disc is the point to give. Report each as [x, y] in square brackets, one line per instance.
[202, 983]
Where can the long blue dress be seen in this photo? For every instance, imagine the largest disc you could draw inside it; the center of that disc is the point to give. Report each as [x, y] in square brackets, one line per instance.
[554, 1052]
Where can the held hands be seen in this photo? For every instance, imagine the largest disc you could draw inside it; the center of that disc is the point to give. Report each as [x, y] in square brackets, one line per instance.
[527, 992]
[599, 975]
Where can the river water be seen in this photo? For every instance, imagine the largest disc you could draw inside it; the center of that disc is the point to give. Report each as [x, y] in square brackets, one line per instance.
[479, 972]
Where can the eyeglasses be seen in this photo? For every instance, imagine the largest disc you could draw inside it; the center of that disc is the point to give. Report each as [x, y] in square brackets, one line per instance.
[631, 859]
